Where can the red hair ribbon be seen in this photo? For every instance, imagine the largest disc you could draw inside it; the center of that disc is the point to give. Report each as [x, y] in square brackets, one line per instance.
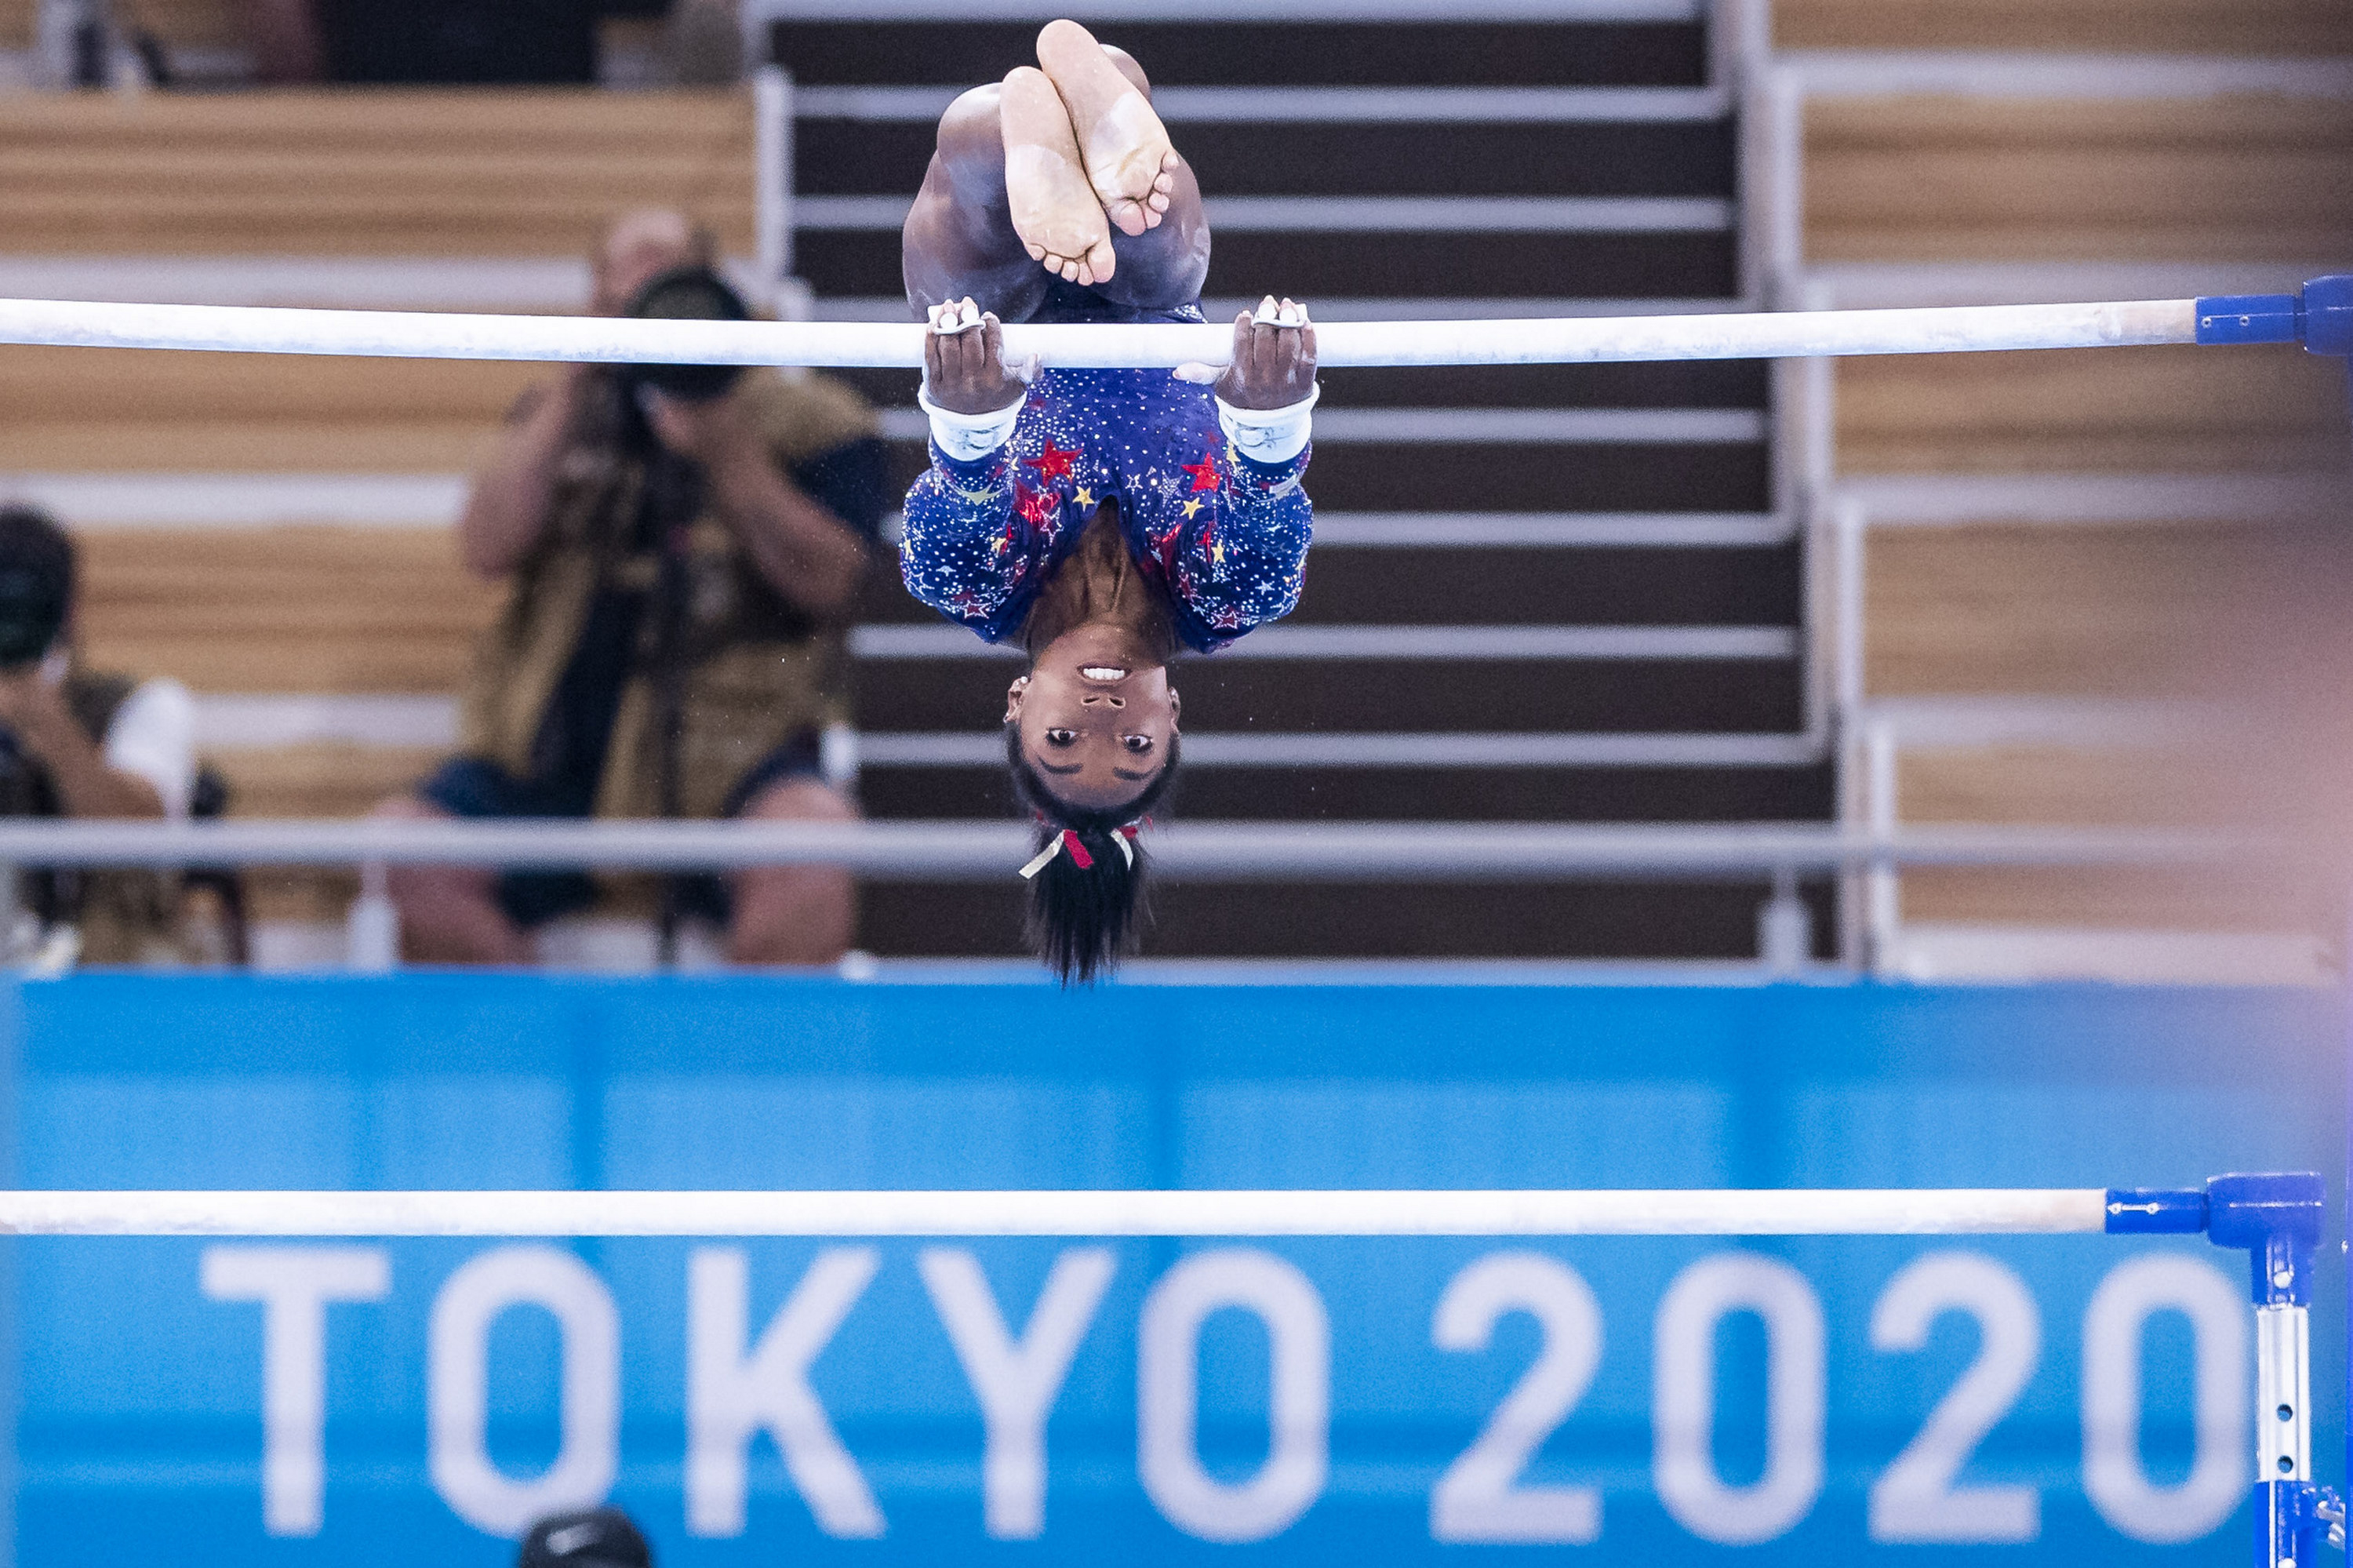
[1068, 840]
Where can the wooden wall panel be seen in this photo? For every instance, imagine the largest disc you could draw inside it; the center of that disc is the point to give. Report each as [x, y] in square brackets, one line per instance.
[64, 408]
[1949, 179]
[2065, 611]
[2141, 786]
[321, 779]
[2144, 900]
[2294, 28]
[283, 610]
[2140, 410]
[374, 171]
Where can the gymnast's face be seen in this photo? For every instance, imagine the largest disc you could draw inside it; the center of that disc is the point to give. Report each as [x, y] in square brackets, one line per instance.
[1095, 717]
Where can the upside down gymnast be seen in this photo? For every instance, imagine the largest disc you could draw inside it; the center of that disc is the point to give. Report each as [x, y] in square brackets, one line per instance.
[1105, 519]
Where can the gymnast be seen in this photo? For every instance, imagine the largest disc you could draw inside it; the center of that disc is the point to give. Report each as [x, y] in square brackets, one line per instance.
[1105, 519]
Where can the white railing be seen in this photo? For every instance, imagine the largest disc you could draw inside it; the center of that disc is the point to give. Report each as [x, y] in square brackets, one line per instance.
[1219, 852]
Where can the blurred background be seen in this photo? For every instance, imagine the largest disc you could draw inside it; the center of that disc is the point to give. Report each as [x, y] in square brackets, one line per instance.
[2051, 588]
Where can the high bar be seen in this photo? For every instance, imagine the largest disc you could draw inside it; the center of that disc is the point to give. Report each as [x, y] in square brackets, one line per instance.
[415, 334]
[1857, 1212]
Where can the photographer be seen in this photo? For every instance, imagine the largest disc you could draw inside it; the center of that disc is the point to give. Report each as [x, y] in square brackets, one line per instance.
[683, 544]
[79, 743]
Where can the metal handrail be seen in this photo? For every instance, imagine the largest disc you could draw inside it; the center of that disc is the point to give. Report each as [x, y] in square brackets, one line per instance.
[1224, 851]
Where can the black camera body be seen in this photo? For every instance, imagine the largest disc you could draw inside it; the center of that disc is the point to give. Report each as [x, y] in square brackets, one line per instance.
[691, 293]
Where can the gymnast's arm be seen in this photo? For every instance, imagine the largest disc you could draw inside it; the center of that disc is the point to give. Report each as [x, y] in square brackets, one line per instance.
[1245, 561]
[956, 552]
[507, 509]
[1246, 558]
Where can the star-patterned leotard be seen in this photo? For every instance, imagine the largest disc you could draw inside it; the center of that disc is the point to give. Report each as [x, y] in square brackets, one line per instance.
[1223, 537]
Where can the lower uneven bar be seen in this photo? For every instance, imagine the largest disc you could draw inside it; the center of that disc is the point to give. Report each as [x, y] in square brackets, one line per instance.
[1860, 1211]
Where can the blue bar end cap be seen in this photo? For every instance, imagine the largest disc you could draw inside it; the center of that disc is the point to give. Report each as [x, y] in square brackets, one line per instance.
[2256, 318]
[2157, 1211]
[2277, 1217]
[2328, 315]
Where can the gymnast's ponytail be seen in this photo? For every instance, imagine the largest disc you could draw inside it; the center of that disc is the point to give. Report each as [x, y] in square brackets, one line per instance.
[1086, 883]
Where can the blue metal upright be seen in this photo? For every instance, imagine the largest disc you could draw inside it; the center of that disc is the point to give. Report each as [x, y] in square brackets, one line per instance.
[2278, 1219]
[2320, 318]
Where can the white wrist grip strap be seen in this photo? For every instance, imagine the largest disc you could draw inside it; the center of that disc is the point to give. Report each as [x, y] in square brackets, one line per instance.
[968, 437]
[1269, 435]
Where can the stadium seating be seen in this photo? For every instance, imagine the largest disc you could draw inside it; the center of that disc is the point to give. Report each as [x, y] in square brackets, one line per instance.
[2103, 573]
[315, 562]
[2288, 28]
[1561, 524]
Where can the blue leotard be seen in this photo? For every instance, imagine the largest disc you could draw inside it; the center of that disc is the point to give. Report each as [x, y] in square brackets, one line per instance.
[1222, 536]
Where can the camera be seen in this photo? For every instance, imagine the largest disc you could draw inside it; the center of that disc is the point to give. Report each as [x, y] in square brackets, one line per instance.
[692, 293]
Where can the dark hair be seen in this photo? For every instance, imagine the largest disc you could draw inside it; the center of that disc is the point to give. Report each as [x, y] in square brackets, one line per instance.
[1083, 919]
[36, 583]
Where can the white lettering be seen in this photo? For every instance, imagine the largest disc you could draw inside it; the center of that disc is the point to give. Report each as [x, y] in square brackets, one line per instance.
[457, 1387]
[1477, 1498]
[1016, 1381]
[1299, 1418]
[2115, 1325]
[730, 1397]
[1919, 1499]
[294, 1285]
[1682, 1412]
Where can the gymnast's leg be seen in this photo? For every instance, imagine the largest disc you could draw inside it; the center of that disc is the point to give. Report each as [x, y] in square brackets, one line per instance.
[1007, 200]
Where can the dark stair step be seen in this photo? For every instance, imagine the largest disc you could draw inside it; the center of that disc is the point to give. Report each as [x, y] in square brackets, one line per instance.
[1404, 794]
[1276, 920]
[1312, 265]
[847, 157]
[1217, 53]
[1520, 696]
[1502, 586]
[1365, 476]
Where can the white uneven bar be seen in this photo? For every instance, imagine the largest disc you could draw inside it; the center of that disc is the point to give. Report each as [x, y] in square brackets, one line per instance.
[403, 334]
[1230, 851]
[1960, 1211]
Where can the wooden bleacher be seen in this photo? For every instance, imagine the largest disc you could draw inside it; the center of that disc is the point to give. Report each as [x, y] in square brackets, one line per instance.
[314, 610]
[1964, 610]
[2092, 410]
[2288, 28]
[2072, 610]
[393, 172]
[1950, 179]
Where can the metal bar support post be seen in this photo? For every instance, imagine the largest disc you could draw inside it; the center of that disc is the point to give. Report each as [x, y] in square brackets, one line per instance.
[2276, 1217]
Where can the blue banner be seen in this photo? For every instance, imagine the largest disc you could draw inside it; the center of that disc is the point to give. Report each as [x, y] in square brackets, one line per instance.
[2066, 1398]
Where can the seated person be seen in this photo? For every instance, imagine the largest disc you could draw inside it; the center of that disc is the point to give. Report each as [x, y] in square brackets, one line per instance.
[1101, 520]
[683, 544]
[76, 742]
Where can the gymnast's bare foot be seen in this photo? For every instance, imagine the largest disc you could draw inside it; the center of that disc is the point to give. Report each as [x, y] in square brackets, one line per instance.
[1129, 160]
[1055, 211]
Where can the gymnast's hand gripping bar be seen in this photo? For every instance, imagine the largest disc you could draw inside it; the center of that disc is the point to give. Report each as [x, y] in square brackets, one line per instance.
[2321, 317]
